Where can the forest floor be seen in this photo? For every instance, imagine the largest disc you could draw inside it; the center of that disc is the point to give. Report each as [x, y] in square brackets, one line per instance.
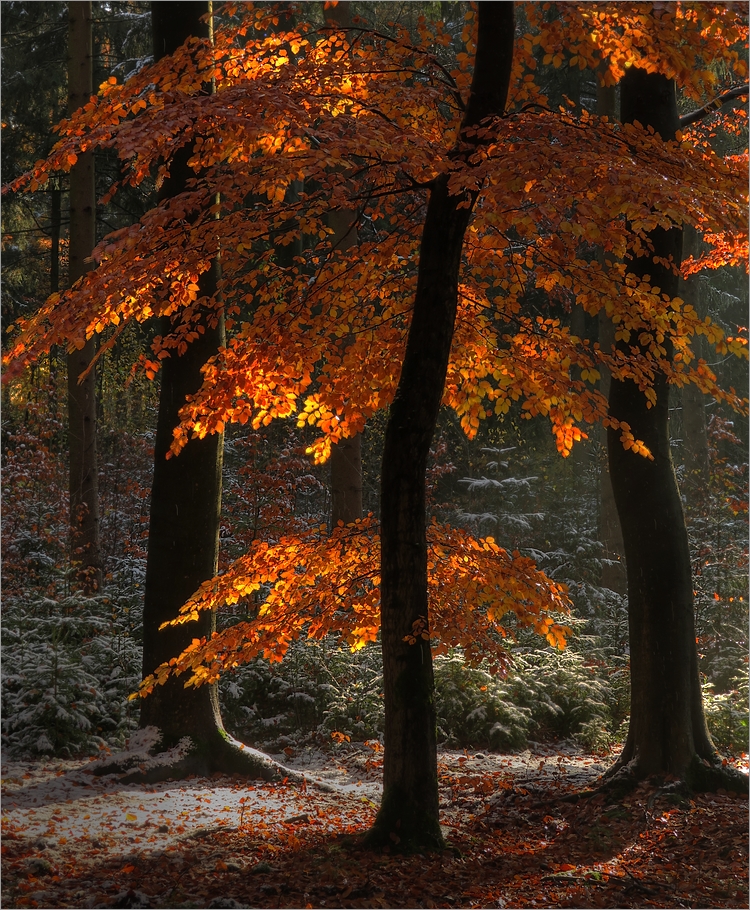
[71, 839]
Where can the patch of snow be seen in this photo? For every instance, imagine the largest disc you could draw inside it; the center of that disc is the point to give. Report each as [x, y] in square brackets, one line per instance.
[137, 749]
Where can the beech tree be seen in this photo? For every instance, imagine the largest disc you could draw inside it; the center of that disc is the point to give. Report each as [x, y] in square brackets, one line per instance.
[183, 542]
[376, 123]
[409, 808]
[667, 732]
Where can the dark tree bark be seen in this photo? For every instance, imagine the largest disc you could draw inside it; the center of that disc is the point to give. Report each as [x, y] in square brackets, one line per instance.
[83, 467]
[346, 480]
[346, 456]
[694, 426]
[185, 505]
[55, 223]
[610, 533]
[695, 447]
[408, 816]
[668, 733]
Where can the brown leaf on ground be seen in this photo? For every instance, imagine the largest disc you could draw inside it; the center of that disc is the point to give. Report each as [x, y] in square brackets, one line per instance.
[513, 842]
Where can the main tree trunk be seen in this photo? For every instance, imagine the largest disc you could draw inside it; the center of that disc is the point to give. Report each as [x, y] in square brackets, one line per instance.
[408, 817]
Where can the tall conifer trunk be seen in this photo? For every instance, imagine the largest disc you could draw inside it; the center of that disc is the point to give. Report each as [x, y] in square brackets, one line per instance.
[408, 816]
[667, 733]
[83, 466]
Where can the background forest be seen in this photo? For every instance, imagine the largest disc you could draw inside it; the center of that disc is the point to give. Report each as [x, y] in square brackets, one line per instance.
[72, 655]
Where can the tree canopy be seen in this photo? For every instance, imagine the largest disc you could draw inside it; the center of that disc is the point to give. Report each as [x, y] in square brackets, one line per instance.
[307, 118]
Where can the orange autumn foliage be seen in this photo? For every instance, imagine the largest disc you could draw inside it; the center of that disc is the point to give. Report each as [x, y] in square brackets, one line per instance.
[687, 42]
[317, 584]
[324, 336]
[308, 119]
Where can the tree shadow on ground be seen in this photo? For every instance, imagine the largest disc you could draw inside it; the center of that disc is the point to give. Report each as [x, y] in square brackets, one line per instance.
[524, 848]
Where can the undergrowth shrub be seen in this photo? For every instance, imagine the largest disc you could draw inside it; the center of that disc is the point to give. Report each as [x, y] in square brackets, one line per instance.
[577, 693]
[68, 667]
[727, 714]
[69, 662]
[322, 688]
[474, 709]
[318, 689]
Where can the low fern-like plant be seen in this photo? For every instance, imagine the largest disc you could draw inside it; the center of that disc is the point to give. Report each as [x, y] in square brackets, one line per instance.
[727, 714]
[474, 708]
[320, 688]
[573, 694]
[68, 667]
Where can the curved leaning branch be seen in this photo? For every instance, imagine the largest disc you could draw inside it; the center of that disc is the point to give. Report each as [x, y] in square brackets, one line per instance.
[730, 95]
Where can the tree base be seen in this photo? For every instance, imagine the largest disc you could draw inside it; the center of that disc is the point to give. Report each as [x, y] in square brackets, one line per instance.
[150, 758]
[704, 776]
[700, 776]
[403, 829]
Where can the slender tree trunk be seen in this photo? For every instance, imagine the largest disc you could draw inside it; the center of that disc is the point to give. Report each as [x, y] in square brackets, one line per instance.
[667, 733]
[695, 445]
[694, 429]
[610, 533]
[55, 230]
[185, 505]
[346, 455]
[408, 816]
[346, 481]
[83, 467]
[55, 222]
[614, 574]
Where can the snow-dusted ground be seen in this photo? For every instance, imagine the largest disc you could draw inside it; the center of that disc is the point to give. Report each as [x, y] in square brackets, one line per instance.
[59, 816]
[60, 804]
[70, 837]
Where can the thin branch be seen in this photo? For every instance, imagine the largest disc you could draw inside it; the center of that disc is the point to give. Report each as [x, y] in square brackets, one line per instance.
[737, 92]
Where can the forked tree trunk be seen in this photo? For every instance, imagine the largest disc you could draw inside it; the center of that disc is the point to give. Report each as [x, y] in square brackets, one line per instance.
[185, 504]
[408, 817]
[667, 734]
[85, 553]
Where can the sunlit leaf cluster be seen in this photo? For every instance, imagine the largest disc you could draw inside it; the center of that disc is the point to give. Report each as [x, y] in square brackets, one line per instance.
[287, 124]
[316, 584]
